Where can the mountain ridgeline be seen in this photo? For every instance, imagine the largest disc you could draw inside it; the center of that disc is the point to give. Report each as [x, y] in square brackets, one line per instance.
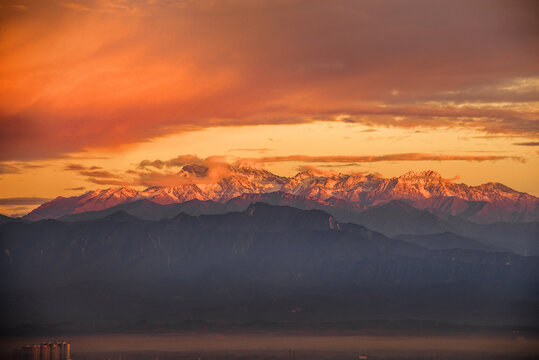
[391, 219]
[259, 247]
[487, 203]
[257, 264]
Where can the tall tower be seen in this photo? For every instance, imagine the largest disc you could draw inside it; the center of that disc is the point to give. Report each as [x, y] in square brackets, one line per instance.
[55, 352]
[45, 351]
[65, 350]
[36, 352]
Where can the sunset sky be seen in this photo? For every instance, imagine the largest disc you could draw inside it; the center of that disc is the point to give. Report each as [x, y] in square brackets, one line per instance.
[90, 90]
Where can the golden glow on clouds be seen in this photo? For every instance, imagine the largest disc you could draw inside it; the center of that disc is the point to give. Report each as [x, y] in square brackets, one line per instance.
[105, 84]
[319, 138]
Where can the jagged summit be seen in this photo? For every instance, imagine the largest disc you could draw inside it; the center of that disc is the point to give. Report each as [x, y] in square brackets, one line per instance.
[425, 190]
[428, 174]
[304, 174]
[246, 167]
[495, 186]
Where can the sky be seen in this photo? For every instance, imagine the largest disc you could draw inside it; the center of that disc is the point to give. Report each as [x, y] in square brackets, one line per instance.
[91, 91]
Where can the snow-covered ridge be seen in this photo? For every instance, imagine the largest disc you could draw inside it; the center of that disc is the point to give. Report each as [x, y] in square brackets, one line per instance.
[424, 190]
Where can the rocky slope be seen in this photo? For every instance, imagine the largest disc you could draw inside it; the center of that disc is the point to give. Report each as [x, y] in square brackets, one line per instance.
[487, 203]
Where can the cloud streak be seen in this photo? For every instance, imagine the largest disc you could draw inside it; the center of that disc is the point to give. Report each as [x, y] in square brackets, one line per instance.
[214, 168]
[380, 158]
[180, 160]
[528, 143]
[79, 167]
[22, 201]
[9, 169]
[197, 170]
[96, 175]
[78, 188]
[146, 70]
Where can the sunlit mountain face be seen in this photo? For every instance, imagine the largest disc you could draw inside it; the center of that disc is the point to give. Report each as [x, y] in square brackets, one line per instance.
[126, 93]
[346, 167]
[427, 190]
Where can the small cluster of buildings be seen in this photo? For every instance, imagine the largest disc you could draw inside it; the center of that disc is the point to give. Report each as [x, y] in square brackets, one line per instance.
[44, 351]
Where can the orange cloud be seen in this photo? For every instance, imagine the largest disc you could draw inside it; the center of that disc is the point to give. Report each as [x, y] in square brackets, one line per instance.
[202, 171]
[454, 178]
[9, 169]
[389, 157]
[180, 160]
[82, 75]
[79, 167]
[96, 175]
[256, 150]
[22, 201]
[108, 181]
[528, 143]
[214, 168]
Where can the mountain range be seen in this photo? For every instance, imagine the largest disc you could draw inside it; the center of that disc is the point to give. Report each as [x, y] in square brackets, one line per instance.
[269, 263]
[486, 203]
[255, 246]
[391, 219]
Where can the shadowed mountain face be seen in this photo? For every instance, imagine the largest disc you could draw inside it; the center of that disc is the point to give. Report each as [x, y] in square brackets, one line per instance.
[391, 219]
[5, 219]
[246, 265]
[448, 240]
[427, 191]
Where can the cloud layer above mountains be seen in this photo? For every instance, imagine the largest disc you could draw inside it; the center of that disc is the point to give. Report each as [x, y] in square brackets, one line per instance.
[82, 75]
[210, 170]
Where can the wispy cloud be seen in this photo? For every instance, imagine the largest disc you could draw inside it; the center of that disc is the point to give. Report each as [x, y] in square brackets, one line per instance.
[23, 200]
[96, 174]
[109, 181]
[19, 7]
[80, 167]
[75, 6]
[180, 160]
[388, 157]
[165, 172]
[9, 169]
[99, 174]
[79, 188]
[528, 143]
[19, 167]
[157, 172]
[243, 68]
[254, 150]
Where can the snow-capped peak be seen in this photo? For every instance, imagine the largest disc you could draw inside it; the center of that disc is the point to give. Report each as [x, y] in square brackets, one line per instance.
[306, 174]
[424, 189]
[429, 174]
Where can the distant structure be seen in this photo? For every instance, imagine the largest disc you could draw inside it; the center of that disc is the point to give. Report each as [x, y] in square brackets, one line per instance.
[45, 351]
[291, 354]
